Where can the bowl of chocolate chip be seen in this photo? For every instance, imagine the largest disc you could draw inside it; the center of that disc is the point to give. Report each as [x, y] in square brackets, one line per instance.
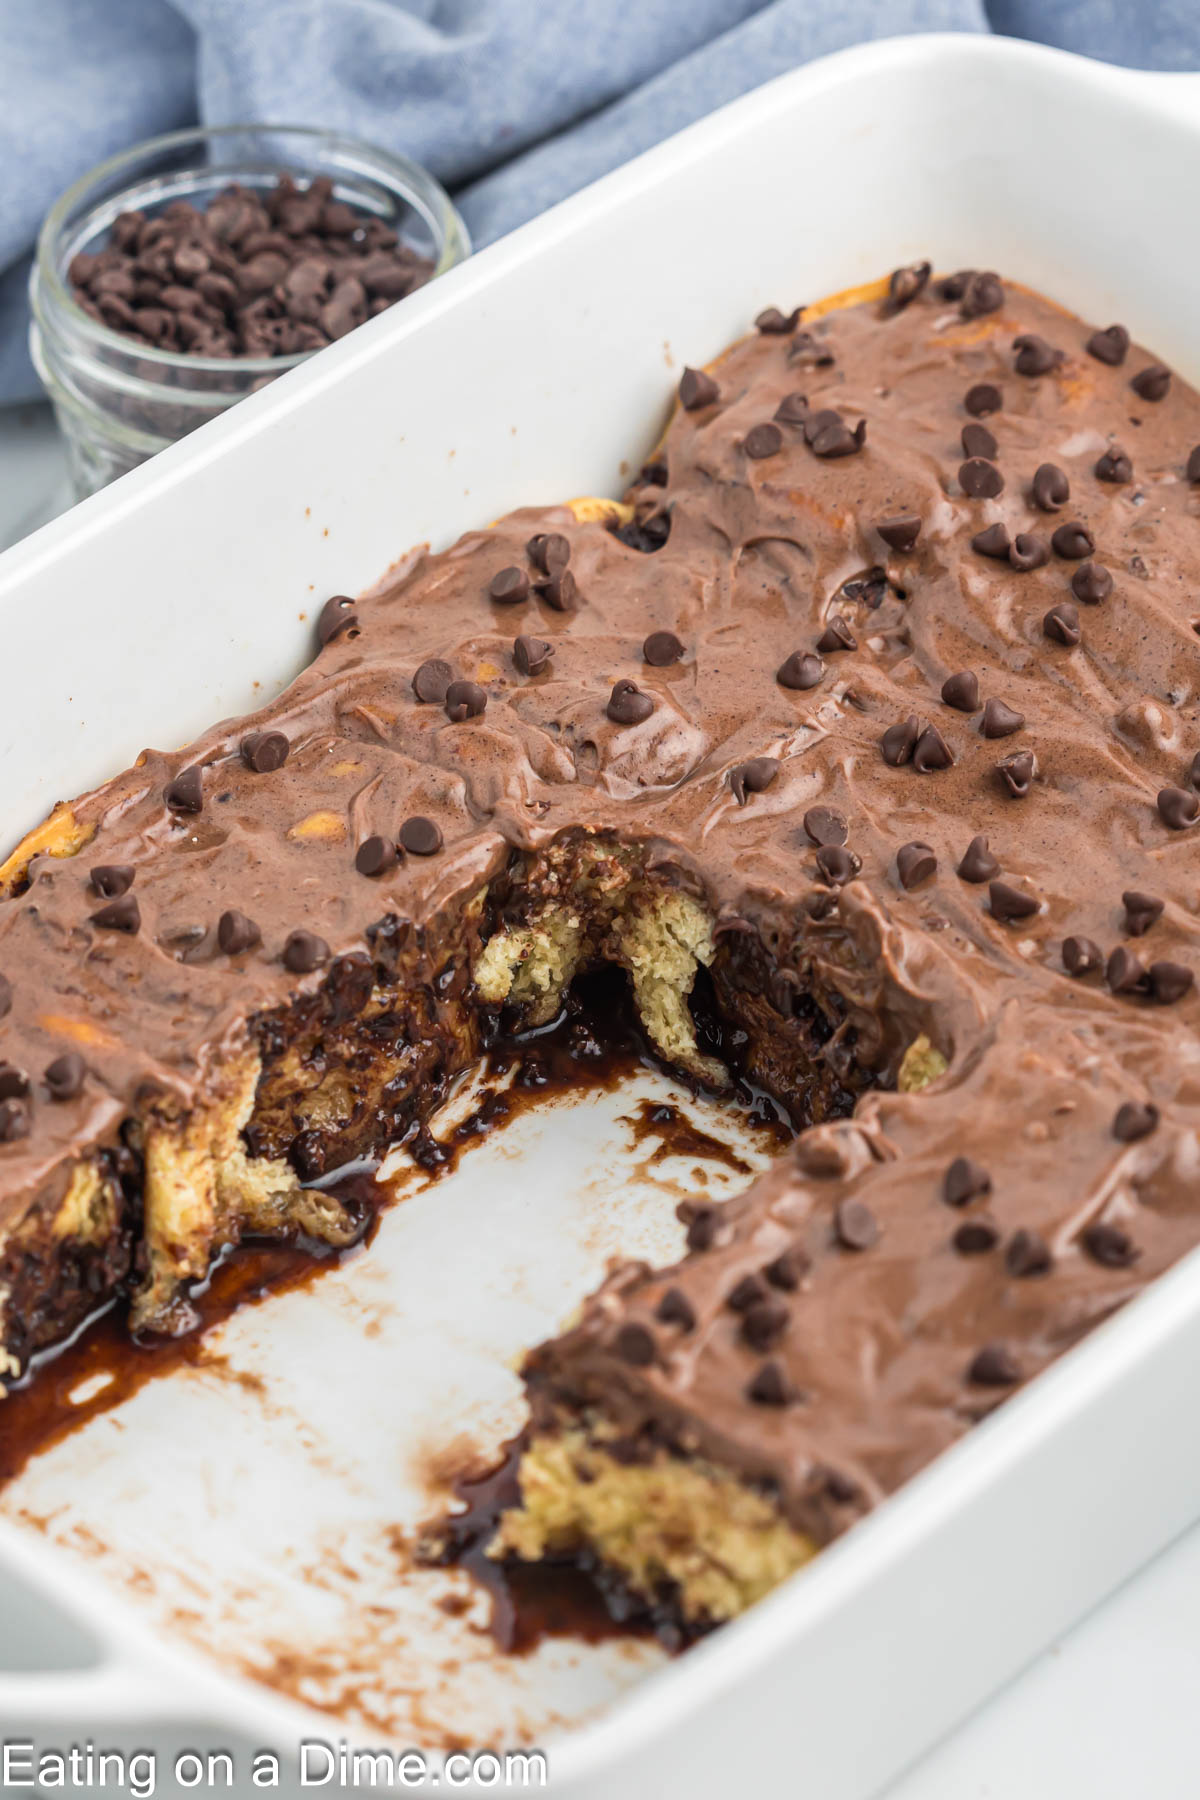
[186, 273]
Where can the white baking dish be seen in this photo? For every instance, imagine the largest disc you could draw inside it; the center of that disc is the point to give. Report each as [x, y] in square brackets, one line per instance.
[539, 370]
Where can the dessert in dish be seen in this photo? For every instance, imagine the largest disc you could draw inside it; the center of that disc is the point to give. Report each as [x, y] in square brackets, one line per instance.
[874, 700]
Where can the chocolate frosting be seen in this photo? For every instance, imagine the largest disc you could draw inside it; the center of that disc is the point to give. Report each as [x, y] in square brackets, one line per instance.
[775, 546]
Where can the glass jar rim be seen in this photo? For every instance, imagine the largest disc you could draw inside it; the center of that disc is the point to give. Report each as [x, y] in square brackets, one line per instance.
[407, 175]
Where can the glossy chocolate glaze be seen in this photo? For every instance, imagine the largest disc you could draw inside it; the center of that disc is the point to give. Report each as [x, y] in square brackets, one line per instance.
[759, 552]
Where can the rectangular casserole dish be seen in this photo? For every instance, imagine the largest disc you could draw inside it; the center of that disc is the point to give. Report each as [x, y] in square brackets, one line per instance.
[538, 371]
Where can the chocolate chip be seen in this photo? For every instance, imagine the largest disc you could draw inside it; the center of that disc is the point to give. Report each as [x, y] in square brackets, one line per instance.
[1134, 1120]
[773, 323]
[977, 440]
[1081, 956]
[1141, 911]
[337, 618]
[982, 399]
[999, 720]
[965, 1180]
[265, 751]
[701, 1220]
[1152, 382]
[1028, 1254]
[464, 700]
[375, 855]
[1177, 807]
[627, 705]
[1109, 346]
[764, 1323]
[900, 532]
[980, 480]
[123, 914]
[1073, 541]
[1114, 466]
[975, 1237]
[792, 410]
[509, 587]
[6, 996]
[838, 866]
[697, 389]
[745, 1293]
[236, 933]
[753, 777]
[993, 540]
[801, 671]
[770, 1386]
[856, 1225]
[661, 649]
[1125, 974]
[825, 825]
[1062, 624]
[1034, 355]
[762, 441]
[1009, 904]
[1169, 982]
[14, 1082]
[915, 863]
[905, 284]
[1091, 583]
[634, 1344]
[14, 1121]
[1017, 773]
[1050, 489]
[899, 741]
[962, 690]
[64, 1076]
[953, 287]
[1108, 1245]
[420, 836]
[978, 863]
[1194, 771]
[1028, 552]
[828, 436]
[1193, 464]
[186, 793]
[110, 880]
[676, 1309]
[931, 751]
[993, 1366]
[531, 654]
[560, 591]
[982, 294]
[549, 552]
[836, 636]
[789, 1268]
[431, 681]
[304, 951]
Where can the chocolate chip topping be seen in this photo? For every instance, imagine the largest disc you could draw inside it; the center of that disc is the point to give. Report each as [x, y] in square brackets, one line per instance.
[764, 1323]
[697, 389]
[1062, 624]
[1073, 541]
[1108, 1245]
[856, 1225]
[899, 741]
[762, 441]
[982, 294]
[6, 996]
[431, 681]
[836, 636]
[304, 951]
[1193, 465]
[661, 649]
[420, 836]
[1169, 982]
[1134, 1120]
[1034, 355]
[110, 880]
[186, 793]
[265, 751]
[983, 399]
[464, 700]
[375, 855]
[905, 284]
[509, 587]
[123, 914]
[65, 1075]
[1177, 808]
[993, 540]
[1081, 956]
[1028, 552]
[977, 440]
[962, 691]
[774, 323]
[1152, 382]
[1000, 720]
[900, 532]
[965, 1181]
[627, 705]
[979, 479]
[634, 1344]
[1017, 773]
[978, 863]
[801, 671]
[931, 751]
[1091, 583]
[825, 825]
[14, 1121]
[337, 618]
[1009, 904]
[915, 863]
[993, 1366]
[975, 1237]
[1141, 911]
[531, 654]
[1050, 489]
[236, 934]
[1125, 974]
[838, 865]
[1027, 1253]
[676, 1309]
[549, 552]
[560, 591]
[1109, 346]
[789, 1268]
[753, 777]
[769, 1386]
[1113, 466]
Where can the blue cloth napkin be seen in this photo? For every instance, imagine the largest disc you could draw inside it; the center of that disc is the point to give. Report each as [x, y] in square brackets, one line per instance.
[511, 103]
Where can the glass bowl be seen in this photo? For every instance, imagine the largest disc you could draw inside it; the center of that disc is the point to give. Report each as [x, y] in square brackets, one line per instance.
[119, 401]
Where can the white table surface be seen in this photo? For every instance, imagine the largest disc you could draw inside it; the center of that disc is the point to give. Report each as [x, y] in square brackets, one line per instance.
[1110, 1713]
